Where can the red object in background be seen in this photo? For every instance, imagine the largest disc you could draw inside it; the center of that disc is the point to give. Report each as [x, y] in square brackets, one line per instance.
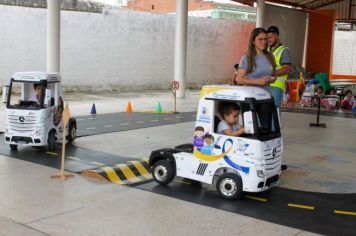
[292, 86]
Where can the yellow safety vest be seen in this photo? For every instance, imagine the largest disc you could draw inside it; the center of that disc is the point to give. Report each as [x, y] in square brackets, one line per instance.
[277, 54]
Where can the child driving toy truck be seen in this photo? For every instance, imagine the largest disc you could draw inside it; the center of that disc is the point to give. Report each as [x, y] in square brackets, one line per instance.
[33, 109]
[235, 158]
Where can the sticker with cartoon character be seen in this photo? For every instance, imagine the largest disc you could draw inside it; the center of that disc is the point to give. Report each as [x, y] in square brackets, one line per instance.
[209, 152]
[198, 142]
[209, 144]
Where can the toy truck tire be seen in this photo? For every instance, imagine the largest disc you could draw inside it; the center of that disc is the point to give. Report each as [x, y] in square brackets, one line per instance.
[229, 186]
[13, 147]
[72, 131]
[51, 141]
[163, 172]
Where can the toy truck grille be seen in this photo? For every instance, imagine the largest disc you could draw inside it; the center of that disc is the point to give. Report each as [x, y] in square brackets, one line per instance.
[273, 160]
[22, 123]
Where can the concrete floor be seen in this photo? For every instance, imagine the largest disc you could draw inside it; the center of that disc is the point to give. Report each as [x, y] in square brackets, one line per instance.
[33, 204]
[320, 160]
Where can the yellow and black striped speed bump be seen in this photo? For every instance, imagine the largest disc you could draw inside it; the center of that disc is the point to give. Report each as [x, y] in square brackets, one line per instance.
[131, 172]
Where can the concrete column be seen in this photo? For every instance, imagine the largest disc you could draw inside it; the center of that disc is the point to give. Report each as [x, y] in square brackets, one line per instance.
[180, 56]
[53, 35]
[260, 13]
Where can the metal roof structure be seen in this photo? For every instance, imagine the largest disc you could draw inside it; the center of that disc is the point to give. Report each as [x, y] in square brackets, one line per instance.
[345, 9]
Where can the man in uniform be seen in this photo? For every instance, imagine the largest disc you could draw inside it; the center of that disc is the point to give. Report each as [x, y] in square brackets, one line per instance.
[283, 61]
[283, 67]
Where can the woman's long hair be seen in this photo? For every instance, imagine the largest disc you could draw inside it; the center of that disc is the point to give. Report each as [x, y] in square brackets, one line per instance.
[251, 54]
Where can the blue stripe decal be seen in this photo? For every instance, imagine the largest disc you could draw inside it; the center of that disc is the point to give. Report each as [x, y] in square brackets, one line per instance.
[246, 170]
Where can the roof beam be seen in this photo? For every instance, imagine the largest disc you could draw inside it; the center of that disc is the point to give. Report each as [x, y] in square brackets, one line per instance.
[319, 3]
[284, 2]
[295, 5]
[245, 2]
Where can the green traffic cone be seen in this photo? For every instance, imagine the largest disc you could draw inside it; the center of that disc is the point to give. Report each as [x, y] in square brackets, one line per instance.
[159, 108]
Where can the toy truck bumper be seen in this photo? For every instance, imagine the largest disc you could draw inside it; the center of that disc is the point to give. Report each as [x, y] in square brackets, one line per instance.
[26, 140]
[262, 184]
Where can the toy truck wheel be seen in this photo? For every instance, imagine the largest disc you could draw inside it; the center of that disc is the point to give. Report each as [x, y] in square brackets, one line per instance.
[162, 172]
[72, 132]
[13, 147]
[51, 141]
[229, 186]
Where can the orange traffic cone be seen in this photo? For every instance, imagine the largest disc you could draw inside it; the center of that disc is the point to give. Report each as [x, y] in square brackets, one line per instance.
[129, 108]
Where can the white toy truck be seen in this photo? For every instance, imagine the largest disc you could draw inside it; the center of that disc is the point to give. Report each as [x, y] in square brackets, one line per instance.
[248, 163]
[35, 123]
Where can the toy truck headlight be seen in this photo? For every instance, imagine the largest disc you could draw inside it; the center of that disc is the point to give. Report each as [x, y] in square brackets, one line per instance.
[260, 173]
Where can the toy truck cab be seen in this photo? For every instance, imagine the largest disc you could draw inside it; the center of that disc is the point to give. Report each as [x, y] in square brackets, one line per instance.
[33, 110]
[248, 163]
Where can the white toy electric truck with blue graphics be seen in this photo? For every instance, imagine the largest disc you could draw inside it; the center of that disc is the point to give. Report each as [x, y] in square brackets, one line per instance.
[33, 110]
[250, 162]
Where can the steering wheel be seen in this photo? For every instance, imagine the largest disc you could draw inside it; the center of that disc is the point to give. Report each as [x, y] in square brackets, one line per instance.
[263, 130]
[29, 104]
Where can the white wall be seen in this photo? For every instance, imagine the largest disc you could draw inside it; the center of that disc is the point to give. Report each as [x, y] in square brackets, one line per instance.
[344, 55]
[119, 49]
[291, 24]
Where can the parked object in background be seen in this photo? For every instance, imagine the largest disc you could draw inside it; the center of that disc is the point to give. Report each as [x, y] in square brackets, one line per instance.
[35, 123]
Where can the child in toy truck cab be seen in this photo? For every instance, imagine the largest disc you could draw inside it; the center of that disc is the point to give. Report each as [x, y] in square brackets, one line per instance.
[38, 93]
[35, 98]
[229, 125]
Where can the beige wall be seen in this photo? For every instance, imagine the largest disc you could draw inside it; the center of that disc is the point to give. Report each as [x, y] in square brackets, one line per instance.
[120, 49]
[291, 24]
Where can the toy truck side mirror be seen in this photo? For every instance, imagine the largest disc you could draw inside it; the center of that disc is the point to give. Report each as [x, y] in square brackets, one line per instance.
[248, 122]
[47, 99]
[5, 92]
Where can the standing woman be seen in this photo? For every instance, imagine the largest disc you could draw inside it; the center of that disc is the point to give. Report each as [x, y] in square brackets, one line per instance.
[256, 68]
[257, 65]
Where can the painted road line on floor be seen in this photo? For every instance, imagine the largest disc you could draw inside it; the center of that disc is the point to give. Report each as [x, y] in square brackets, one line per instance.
[155, 112]
[154, 120]
[140, 122]
[91, 128]
[301, 206]
[351, 213]
[124, 124]
[52, 153]
[97, 163]
[108, 126]
[73, 158]
[256, 198]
